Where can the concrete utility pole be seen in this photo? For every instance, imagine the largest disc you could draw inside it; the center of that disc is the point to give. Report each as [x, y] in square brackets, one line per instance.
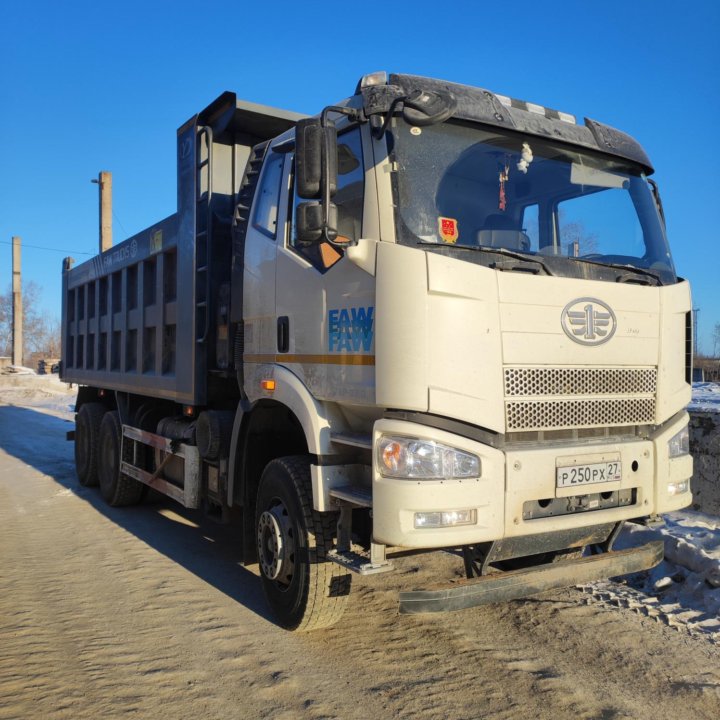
[105, 182]
[17, 326]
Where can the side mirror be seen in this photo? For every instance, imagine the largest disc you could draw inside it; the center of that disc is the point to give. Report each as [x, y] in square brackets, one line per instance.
[424, 107]
[314, 144]
[310, 224]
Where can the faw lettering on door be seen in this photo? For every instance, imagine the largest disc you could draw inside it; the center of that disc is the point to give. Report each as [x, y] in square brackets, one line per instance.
[350, 329]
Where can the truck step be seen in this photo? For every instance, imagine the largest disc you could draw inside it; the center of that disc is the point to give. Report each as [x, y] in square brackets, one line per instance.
[359, 562]
[353, 494]
[360, 440]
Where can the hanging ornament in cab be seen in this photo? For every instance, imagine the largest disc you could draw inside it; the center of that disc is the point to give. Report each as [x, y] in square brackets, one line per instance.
[503, 177]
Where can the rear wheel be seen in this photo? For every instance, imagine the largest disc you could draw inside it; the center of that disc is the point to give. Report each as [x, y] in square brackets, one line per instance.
[87, 436]
[303, 589]
[116, 487]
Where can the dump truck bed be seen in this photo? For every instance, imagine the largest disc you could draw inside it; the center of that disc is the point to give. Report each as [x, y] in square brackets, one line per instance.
[140, 317]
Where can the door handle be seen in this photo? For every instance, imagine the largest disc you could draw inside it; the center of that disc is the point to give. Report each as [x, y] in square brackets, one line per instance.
[283, 334]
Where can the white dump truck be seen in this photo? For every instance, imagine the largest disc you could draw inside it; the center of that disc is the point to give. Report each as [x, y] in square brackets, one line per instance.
[431, 317]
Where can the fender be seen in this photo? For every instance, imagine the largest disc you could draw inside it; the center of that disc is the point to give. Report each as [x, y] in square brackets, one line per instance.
[314, 417]
[243, 408]
[84, 395]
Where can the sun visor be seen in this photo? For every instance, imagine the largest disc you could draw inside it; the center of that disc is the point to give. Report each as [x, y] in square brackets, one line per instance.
[482, 106]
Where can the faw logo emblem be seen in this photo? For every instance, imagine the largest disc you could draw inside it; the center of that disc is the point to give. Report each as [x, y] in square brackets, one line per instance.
[588, 321]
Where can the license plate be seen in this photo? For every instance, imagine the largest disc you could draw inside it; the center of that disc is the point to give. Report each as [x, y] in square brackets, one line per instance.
[572, 475]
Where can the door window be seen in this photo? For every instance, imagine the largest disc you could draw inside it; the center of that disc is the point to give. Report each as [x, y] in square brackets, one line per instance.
[348, 199]
[268, 196]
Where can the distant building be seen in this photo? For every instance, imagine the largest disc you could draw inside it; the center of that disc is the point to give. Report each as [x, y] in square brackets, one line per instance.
[46, 366]
[706, 370]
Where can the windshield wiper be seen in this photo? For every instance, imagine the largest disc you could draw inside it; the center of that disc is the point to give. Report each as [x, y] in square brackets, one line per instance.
[629, 272]
[497, 251]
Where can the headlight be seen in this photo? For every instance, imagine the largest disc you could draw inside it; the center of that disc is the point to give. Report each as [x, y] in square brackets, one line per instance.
[403, 457]
[679, 444]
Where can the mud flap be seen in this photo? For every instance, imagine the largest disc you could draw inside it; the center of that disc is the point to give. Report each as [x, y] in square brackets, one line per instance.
[503, 586]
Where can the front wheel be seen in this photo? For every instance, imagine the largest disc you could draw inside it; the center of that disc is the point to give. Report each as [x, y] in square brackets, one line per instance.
[303, 589]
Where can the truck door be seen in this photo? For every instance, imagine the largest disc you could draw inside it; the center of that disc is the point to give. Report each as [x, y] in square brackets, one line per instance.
[268, 213]
[326, 302]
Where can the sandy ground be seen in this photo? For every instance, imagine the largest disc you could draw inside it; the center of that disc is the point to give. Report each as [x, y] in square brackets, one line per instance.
[146, 612]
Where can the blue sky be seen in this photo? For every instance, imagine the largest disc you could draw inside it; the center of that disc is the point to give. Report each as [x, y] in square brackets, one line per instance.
[90, 86]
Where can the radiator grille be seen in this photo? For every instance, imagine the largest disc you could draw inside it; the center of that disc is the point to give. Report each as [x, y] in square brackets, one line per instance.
[554, 414]
[532, 399]
[579, 381]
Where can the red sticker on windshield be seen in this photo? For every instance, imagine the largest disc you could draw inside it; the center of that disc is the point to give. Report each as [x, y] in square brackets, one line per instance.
[448, 229]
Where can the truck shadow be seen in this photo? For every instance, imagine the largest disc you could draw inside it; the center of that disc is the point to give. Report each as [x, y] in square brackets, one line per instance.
[205, 548]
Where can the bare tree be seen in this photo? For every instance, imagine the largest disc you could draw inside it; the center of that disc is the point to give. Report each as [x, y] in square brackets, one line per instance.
[575, 232]
[41, 333]
[716, 340]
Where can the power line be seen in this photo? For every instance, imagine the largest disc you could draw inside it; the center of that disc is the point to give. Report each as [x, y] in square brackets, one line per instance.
[117, 219]
[37, 247]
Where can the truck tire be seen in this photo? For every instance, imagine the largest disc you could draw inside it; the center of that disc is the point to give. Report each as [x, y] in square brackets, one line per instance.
[304, 590]
[116, 487]
[87, 436]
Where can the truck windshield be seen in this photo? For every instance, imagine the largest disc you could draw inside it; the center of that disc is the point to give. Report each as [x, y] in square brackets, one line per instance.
[462, 186]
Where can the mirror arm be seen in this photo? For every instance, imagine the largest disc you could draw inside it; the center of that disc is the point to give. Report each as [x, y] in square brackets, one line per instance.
[424, 105]
[380, 131]
[353, 114]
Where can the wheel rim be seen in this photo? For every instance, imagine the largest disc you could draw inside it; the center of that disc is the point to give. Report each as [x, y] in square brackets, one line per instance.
[276, 545]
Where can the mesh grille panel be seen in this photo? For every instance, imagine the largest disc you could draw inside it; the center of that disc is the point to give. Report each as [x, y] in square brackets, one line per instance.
[579, 381]
[554, 414]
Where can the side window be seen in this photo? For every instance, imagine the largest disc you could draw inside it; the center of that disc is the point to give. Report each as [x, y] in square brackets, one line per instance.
[530, 226]
[348, 198]
[268, 195]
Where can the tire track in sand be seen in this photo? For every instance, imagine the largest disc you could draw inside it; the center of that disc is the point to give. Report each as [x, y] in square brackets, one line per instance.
[146, 612]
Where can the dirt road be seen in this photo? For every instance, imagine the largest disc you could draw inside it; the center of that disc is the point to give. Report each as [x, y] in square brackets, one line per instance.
[146, 612]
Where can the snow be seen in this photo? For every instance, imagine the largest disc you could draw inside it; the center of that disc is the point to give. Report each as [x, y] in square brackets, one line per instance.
[44, 393]
[685, 587]
[705, 397]
[17, 370]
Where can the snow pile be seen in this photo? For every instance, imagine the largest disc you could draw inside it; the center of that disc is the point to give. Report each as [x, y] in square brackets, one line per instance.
[705, 397]
[17, 370]
[44, 393]
[684, 589]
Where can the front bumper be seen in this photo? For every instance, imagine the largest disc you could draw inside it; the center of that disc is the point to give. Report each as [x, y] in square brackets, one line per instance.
[501, 587]
[511, 479]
